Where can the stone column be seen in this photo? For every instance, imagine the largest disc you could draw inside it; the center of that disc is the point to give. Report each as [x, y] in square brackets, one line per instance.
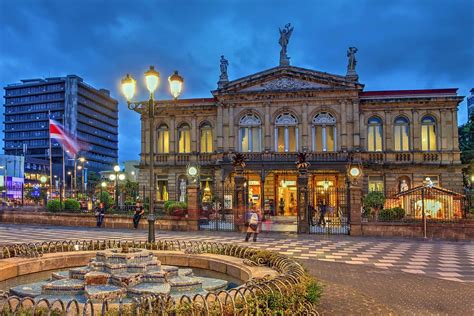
[194, 135]
[172, 135]
[231, 128]
[193, 206]
[357, 118]
[218, 129]
[267, 132]
[304, 145]
[355, 206]
[302, 200]
[239, 198]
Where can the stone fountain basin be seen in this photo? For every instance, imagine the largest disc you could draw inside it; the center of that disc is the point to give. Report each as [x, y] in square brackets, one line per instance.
[231, 266]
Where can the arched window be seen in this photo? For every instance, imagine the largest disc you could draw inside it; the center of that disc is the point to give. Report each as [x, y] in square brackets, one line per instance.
[401, 134]
[206, 138]
[428, 133]
[184, 139]
[374, 135]
[163, 139]
[250, 133]
[324, 132]
[286, 133]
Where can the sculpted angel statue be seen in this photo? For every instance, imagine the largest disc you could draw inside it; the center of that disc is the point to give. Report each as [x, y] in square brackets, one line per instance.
[352, 60]
[224, 64]
[285, 38]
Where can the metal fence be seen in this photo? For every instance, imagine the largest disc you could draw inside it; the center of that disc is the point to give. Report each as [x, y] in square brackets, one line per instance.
[217, 209]
[436, 204]
[243, 300]
[328, 211]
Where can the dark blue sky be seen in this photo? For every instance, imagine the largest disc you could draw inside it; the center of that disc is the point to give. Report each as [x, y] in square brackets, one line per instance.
[402, 44]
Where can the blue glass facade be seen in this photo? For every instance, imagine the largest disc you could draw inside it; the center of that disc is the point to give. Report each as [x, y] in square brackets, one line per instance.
[88, 113]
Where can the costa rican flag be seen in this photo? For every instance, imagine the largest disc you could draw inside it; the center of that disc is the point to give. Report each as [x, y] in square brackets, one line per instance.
[67, 141]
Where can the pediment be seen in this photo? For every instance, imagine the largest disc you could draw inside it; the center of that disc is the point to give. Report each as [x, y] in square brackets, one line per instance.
[287, 79]
[285, 84]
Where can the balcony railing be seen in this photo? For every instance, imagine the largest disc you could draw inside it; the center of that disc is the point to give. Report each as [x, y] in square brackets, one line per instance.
[312, 157]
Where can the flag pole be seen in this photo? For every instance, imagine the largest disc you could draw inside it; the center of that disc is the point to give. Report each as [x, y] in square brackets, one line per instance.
[50, 159]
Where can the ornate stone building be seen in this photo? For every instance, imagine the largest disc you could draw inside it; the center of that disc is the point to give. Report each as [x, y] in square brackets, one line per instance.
[270, 116]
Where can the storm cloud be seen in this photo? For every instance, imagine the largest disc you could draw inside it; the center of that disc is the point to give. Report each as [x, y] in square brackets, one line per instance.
[402, 44]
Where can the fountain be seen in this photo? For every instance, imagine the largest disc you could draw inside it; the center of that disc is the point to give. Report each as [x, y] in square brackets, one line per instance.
[122, 273]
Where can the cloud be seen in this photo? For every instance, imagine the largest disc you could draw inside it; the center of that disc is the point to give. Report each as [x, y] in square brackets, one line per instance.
[402, 44]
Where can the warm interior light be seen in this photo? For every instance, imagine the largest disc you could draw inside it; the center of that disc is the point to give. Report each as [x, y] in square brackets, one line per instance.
[82, 159]
[116, 168]
[152, 79]
[121, 177]
[176, 84]
[128, 87]
[79, 167]
[112, 177]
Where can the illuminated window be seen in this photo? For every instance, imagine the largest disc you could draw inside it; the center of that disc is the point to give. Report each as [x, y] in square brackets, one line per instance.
[184, 139]
[324, 132]
[374, 134]
[286, 133]
[433, 179]
[401, 134]
[376, 183]
[428, 133]
[163, 139]
[206, 138]
[250, 134]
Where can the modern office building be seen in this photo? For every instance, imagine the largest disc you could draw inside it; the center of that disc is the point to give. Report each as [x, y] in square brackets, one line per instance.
[470, 103]
[88, 113]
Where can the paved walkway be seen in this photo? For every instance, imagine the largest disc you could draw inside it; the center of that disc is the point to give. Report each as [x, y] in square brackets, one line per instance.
[453, 261]
[361, 276]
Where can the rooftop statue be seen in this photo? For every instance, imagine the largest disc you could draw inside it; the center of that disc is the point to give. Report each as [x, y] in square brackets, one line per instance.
[223, 78]
[285, 35]
[351, 64]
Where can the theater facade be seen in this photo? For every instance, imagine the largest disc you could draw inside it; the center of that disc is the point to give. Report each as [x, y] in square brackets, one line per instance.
[399, 138]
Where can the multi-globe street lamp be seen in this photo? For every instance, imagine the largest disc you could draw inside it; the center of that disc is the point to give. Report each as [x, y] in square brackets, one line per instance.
[152, 80]
[116, 177]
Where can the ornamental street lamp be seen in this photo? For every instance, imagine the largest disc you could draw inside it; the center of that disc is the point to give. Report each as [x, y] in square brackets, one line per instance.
[152, 80]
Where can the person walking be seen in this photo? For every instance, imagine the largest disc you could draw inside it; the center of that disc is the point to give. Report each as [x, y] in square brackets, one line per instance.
[252, 223]
[322, 213]
[311, 213]
[139, 211]
[100, 214]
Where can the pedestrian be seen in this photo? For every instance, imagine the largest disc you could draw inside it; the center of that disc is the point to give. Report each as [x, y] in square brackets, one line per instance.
[139, 211]
[100, 214]
[322, 213]
[252, 222]
[311, 213]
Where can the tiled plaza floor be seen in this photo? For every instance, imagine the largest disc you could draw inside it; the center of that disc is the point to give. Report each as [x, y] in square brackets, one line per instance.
[361, 276]
[452, 261]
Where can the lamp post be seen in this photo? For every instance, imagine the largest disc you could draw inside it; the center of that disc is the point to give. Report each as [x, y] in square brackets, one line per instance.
[116, 170]
[152, 79]
[427, 184]
[69, 173]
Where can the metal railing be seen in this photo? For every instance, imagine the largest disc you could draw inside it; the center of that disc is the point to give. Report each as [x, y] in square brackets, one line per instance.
[243, 300]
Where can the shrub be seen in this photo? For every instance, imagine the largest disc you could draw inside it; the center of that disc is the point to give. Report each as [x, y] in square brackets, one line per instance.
[386, 214]
[53, 206]
[105, 198]
[72, 205]
[399, 213]
[374, 200]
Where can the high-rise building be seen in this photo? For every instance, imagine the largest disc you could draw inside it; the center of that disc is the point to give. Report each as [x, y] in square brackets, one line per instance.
[89, 114]
[470, 104]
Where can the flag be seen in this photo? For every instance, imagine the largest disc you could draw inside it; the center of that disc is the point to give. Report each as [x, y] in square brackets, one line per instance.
[67, 141]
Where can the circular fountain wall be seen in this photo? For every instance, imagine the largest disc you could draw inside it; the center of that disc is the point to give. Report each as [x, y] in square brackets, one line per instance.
[115, 274]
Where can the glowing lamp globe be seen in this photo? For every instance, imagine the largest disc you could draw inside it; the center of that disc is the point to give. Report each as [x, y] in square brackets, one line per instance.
[176, 84]
[112, 177]
[128, 87]
[121, 177]
[354, 172]
[117, 168]
[152, 79]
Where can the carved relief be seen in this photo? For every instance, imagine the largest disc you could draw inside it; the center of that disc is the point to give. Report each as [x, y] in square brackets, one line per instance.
[285, 83]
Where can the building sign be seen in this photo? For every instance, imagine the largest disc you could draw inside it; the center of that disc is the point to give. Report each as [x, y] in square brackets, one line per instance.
[13, 187]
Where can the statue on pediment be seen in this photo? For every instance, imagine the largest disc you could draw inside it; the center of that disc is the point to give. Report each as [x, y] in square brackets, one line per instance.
[223, 78]
[351, 64]
[285, 35]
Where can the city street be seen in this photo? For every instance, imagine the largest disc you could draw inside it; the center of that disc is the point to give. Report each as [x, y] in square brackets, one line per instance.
[361, 275]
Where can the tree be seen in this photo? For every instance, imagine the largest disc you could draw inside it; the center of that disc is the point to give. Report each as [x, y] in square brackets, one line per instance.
[375, 201]
[466, 145]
